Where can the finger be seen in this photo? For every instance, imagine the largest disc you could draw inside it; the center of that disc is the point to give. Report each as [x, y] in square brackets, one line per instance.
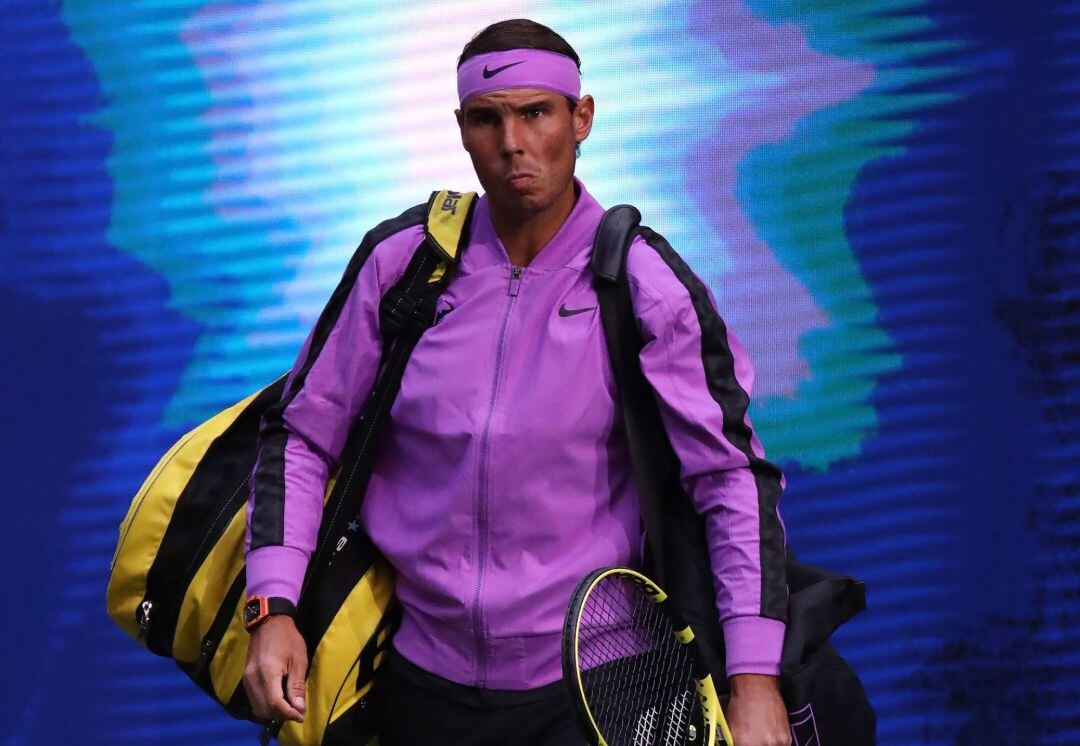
[271, 685]
[281, 709]
[295, 684]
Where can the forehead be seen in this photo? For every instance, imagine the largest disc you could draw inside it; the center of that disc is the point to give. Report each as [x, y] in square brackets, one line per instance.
[510, 98]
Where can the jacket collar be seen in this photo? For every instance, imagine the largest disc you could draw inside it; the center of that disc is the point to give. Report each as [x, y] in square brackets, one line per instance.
[566, 247]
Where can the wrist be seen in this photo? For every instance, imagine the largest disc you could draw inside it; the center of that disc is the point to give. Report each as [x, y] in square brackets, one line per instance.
[751, 683]
[272, 625]
[258, 609]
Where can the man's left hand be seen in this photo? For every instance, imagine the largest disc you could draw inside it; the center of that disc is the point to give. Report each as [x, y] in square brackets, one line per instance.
[756, 714]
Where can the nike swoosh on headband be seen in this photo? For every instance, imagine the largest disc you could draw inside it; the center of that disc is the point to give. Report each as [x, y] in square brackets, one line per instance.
[491, 73]
[564, 311]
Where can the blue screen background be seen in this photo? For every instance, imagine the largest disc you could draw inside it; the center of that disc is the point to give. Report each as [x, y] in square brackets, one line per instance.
[883, 197]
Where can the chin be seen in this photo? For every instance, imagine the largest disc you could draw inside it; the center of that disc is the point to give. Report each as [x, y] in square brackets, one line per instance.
[525, 202]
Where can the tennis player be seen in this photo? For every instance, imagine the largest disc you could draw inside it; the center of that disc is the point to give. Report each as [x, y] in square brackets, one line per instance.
[503, 477]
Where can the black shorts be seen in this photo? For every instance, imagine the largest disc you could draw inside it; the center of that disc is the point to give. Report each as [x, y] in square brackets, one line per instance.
[416, 708]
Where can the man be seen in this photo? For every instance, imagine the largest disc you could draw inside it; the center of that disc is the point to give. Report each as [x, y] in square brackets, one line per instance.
[503, 476]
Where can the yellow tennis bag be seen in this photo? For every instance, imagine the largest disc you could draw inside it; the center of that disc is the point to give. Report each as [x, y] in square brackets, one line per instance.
[177, 578]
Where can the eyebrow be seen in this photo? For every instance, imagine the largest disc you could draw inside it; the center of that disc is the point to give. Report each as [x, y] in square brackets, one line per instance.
[475, 110]
[481, 109]
[538, 104]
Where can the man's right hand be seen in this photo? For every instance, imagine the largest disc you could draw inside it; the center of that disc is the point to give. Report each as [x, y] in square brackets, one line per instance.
[275, 670]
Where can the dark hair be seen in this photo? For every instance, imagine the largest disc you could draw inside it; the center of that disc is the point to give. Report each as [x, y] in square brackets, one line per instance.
[521, 33]
[517, 33]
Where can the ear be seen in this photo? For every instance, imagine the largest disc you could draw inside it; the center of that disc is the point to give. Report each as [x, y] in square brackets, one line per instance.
[583, 117]
[460, 116]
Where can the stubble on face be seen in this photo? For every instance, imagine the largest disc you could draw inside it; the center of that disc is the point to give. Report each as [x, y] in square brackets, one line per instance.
[522, 145]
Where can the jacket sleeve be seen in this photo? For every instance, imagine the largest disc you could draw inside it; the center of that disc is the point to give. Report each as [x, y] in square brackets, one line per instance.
[302, 437]
[702, 377]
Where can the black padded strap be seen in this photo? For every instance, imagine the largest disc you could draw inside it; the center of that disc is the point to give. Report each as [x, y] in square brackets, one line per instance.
[405, 312]
[676, 547]
[617, 230]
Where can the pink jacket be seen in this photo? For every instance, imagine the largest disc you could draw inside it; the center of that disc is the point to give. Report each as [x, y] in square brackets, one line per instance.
[503, 476]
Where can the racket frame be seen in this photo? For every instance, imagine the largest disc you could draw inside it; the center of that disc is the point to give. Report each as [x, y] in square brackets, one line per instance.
[715, 724]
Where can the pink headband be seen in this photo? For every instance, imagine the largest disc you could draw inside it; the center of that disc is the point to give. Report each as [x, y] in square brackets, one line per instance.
[518, 68]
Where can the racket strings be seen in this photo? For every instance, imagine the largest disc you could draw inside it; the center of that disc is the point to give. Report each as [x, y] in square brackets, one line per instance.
[636, 675]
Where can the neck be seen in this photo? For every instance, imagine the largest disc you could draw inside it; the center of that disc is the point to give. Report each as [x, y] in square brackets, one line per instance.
[525, 234]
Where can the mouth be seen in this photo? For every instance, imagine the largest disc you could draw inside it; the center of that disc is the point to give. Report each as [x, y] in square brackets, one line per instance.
[520, 179]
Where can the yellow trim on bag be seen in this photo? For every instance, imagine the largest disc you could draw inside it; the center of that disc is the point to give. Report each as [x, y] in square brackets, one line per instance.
[148, 517]
[207, 589]
[344, 705]
[437, 275]
[227, 666]
[446, 219]
[332, 675]
[206, 592]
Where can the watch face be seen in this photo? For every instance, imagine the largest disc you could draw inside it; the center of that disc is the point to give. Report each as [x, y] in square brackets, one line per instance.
[252, 611]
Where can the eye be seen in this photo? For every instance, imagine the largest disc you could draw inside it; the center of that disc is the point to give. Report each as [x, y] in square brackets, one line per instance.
[534, 112]
[482, 117]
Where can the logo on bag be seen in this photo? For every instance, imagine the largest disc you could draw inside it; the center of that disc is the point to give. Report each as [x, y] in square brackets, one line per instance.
[449, 203]
[804, 730]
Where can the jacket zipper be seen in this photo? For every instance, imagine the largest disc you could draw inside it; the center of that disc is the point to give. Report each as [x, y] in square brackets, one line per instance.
[484, 476]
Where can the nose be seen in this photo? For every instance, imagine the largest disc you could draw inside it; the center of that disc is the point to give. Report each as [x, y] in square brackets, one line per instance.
[511, 135]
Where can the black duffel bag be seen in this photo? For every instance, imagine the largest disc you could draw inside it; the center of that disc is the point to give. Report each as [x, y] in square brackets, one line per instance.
[826, 701]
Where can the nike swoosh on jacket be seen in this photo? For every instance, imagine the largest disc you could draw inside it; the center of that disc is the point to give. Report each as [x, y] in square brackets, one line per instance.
[504, 476]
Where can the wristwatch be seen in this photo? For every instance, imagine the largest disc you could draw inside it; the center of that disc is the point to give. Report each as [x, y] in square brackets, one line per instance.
[258, 608]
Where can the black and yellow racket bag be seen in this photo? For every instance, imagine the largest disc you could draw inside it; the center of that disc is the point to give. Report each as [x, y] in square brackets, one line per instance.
[177, 580]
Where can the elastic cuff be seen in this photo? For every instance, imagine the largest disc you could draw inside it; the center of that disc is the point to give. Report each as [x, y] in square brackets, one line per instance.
[276, 571]
[753, 645]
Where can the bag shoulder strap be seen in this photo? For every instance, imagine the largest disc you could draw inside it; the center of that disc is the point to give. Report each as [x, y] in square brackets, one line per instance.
[676, 549]
[616, 232]
[448, 217]
[446, 233]
[406, 310]
[617, 229]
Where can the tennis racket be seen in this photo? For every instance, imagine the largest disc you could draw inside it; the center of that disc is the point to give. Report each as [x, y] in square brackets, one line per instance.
[635, 674]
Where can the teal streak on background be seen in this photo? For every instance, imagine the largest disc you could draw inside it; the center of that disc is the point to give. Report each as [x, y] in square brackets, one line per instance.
[220, 271]
[796, 192]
